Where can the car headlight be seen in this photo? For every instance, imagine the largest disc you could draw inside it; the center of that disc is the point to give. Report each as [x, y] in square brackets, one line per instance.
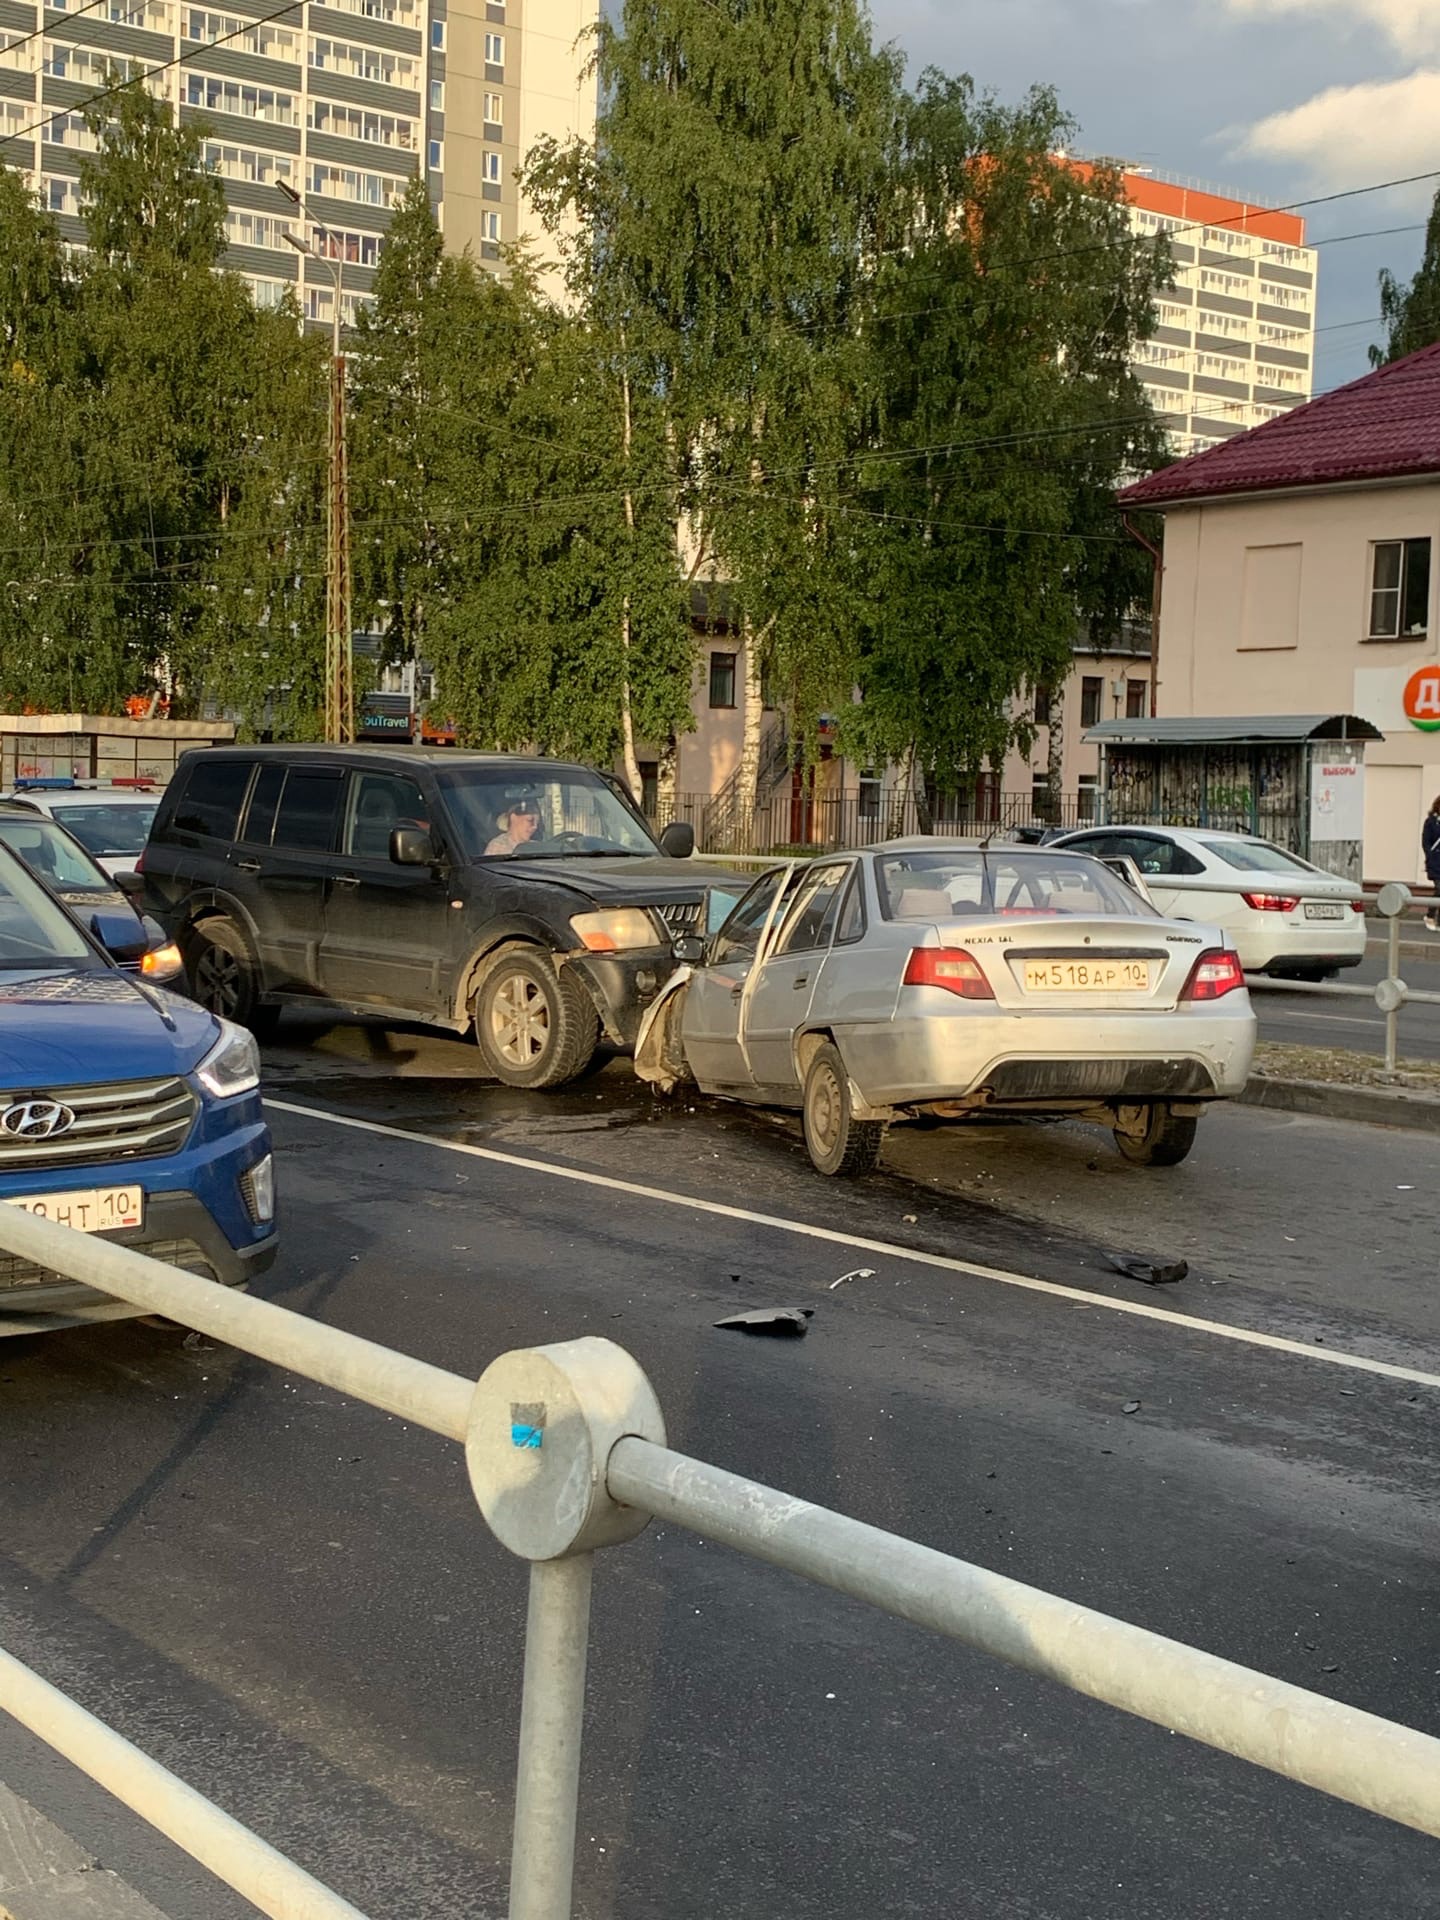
[232, 1065]
[617, 930]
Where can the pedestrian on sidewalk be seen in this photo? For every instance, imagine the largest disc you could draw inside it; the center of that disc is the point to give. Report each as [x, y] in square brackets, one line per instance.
[1430, 841]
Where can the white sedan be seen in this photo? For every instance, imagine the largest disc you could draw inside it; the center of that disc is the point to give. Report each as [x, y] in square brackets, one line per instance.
[1284, 916]
[111, 823]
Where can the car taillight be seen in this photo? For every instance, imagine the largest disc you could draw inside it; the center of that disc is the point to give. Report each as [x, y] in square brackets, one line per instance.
[1272, 902]
[1357, 906]
[952, 968]
[1213, 975]
[140, 861]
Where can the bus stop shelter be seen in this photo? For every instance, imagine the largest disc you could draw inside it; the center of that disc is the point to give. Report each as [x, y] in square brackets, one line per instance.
[1298, 779]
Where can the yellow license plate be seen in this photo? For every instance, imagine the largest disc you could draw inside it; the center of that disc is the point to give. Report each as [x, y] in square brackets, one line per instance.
[1087, 976]
[90, 1210]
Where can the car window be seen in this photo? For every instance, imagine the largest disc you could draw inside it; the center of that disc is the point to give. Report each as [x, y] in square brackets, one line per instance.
[739, 938]
[851, 924]
[812, 915]
[1256, 856]
[380, 802]
[965, 883]
[210, 804]
[309, 810]
[540, 813]
[35, 930]
[264, 799]
[49, 851]
[110, 832]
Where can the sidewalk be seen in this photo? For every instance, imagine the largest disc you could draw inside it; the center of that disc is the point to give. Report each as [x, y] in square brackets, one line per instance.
[45, 1875]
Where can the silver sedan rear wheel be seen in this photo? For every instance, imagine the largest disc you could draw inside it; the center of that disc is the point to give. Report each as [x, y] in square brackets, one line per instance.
[836, 1141]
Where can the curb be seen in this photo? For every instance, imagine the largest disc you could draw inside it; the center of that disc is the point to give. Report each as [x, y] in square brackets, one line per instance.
[1328, 1100]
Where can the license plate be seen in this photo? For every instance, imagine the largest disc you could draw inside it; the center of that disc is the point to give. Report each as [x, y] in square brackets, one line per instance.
[1087, 976]
[89, 1210]
[1324, 910]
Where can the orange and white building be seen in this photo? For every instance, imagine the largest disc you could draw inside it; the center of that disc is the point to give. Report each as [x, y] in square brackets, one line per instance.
[1235, 344]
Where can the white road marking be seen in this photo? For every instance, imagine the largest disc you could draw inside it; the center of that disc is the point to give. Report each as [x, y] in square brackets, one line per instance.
[1330, 1019]
[578, 1176]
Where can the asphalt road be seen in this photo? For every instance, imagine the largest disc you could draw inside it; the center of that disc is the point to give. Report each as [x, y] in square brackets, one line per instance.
[1315, 1020]
[294, 1602]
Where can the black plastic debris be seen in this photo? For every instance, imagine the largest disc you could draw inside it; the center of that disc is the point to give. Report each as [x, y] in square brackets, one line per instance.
[785, 1323]
[1136, 1267]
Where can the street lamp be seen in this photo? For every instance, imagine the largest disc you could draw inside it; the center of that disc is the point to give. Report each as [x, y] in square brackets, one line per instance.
[339, 678]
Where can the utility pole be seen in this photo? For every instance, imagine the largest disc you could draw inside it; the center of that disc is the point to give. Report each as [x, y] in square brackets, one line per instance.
[339, 672]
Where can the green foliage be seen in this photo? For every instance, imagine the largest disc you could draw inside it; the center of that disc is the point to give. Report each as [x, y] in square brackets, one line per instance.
[1412, 313]
[1001, 408]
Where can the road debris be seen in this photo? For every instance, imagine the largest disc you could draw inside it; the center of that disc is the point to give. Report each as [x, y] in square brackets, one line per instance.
[860, 1273]
[787, 1323]
[1131, 1406]
[1136, 1267]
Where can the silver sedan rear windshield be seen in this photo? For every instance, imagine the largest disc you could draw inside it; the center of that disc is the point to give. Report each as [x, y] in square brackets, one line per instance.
[966, 883]
[1256, 856]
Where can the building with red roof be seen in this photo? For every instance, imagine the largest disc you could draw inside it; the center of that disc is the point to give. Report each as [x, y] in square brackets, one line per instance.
[1299, 575]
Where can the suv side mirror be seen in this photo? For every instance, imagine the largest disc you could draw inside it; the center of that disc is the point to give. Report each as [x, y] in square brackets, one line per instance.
[132, 885]
[677, 842]
[688, 949]
[412, 847]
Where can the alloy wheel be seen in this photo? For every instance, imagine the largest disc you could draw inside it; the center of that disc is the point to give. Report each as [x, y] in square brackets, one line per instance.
[519, 1020]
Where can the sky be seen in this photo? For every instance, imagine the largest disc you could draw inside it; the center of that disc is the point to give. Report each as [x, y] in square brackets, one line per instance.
[1277, 100]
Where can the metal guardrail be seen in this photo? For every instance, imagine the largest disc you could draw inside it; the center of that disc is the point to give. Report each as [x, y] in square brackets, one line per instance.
[567, 1453]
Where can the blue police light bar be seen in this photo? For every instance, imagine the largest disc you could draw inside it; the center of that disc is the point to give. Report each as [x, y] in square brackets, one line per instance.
[59, 781]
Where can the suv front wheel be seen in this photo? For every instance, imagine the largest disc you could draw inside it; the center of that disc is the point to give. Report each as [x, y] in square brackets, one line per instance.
[223, 978]
[536, 1028]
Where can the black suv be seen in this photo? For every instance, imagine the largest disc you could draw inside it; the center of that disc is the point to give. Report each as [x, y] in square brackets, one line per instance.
[526, 896]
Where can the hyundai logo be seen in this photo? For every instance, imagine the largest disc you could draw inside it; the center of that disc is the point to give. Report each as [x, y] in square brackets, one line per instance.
[36, 1120]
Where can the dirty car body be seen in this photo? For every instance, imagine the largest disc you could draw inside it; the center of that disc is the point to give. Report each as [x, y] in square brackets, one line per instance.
[523, 898]
[950, 979]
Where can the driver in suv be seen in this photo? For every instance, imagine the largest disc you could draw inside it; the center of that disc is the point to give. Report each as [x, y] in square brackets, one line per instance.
[523, 899]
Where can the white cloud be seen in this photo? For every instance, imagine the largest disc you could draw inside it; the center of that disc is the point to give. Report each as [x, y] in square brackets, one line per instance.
[1412, 25]
[1355, 135]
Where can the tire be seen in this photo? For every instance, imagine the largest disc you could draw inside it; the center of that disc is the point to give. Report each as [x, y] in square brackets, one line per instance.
[1167, 1138]
[838, 1143]
[536, 1028]
[224, 980]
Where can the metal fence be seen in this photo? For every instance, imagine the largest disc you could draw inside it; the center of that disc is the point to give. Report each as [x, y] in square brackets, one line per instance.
[825, 822]
[567, 1453]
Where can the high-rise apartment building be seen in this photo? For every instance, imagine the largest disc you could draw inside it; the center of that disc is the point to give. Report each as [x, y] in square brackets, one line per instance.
[344, 103]
[1235, 341]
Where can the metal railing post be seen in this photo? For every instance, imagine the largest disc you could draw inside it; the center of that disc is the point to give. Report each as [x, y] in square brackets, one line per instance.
[552, 1717]
[543, 1424]
[1392, 993]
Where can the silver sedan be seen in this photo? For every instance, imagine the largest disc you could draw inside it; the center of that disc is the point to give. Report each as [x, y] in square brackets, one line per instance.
[951, 979]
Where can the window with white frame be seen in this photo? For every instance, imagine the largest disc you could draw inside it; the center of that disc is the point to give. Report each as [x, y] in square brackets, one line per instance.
[491, 167]
[26, 46]
[1287, 379]
[1161, 353]
[1169, 314]
[63, 62]
[401, 12]
[241, 98]
[62, 196]
[247, 163]
[267, 294]
[361, 123]
[362, 63]
[1399, 589]
[495, 49]
[436, 158]
[1284, 296]
[437, 35]
[495, 109]
[437, 96]
[66, 130]
[355, 249]
[349, 183]
[1233, 285]
[246, 229]
[1231, 326]
[1274, 336]
[262, 37]
[1222, 367]
[490, 226]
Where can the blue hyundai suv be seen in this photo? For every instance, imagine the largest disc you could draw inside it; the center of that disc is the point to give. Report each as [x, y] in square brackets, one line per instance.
[123, 1111]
